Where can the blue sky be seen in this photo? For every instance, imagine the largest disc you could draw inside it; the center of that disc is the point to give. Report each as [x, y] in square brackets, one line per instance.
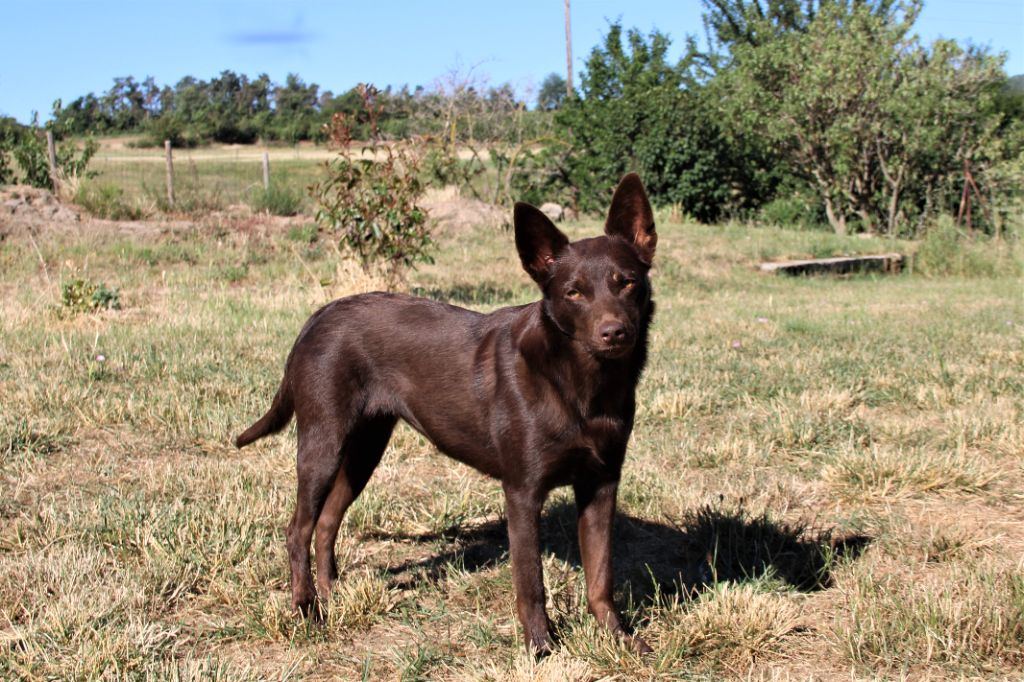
[74, 47]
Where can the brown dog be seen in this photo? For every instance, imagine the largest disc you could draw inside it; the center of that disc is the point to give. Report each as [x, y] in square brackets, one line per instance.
[537, 396]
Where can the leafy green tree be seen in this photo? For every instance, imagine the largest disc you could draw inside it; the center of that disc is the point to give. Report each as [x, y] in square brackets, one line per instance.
[296, 109]
[637, 111]
[552, 93]
[874, 122]
[755, 22]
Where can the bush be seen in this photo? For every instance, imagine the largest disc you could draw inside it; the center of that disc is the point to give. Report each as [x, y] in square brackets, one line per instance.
[639, 111]
[80, 295]
[8, 137]
[792, 212]
[370, 204]
[947, 251]
[29, 149]
[279, 199]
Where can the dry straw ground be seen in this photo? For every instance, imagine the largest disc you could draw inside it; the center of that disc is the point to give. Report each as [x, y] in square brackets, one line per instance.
[826, 480]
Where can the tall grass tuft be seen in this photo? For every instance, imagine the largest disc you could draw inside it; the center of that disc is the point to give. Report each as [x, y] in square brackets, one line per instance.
[109, 202]
[948, 251]
[278, 199]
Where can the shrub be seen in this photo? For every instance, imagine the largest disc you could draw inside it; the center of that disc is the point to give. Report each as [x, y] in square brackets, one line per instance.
[638, 110]
[791, 212]
[29, 149]
[370, 204]
[80, 295]
[279, 199]
[8, 137]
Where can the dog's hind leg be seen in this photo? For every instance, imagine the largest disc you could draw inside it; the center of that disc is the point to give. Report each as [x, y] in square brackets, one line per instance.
[318, 462]
[360, 455]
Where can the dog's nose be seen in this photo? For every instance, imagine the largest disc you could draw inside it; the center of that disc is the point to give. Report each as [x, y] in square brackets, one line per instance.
[612, 332]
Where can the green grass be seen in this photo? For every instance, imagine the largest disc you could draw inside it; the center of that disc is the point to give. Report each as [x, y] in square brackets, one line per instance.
[204, 179]
[824, 480]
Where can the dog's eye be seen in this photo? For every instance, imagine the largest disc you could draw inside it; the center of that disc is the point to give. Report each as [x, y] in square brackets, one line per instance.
[628, 283]
[573, 295]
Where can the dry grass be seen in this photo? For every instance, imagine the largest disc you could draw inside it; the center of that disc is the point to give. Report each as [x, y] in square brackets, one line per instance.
[824, 482]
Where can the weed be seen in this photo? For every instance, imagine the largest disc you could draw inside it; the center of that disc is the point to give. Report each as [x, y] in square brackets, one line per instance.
[81, 295]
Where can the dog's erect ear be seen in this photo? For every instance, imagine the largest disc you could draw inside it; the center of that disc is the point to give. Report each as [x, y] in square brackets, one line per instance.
[631, 217]
[538, 241]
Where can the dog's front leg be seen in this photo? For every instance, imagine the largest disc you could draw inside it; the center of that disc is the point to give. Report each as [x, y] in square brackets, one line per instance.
[522, 506]
[595, 504]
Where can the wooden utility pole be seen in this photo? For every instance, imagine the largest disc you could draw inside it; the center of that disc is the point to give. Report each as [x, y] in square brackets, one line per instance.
[568, 53]
[266, 172]
[170, 173]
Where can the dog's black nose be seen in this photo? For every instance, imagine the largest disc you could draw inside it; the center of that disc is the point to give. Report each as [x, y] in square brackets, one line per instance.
[612, 332]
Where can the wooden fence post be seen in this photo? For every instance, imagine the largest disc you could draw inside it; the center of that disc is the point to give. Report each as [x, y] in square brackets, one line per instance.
[266, 172]
[170, 173]
[51, 151]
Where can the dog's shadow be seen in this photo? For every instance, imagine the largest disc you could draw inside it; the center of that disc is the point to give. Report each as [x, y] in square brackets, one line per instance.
[706, 546]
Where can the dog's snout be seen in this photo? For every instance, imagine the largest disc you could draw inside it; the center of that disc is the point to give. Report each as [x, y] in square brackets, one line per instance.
[612, 332]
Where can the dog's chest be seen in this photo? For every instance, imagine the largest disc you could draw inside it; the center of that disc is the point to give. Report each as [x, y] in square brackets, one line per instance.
[592, 447]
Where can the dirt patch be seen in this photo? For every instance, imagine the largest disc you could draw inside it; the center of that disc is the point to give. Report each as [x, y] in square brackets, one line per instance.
[28, 210]
[31, 212]
[455, 213]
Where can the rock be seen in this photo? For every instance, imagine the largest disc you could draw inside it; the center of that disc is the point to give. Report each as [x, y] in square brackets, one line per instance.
[552, 211]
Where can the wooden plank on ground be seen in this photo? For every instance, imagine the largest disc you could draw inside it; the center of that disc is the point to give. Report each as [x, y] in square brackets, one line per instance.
[882, 262]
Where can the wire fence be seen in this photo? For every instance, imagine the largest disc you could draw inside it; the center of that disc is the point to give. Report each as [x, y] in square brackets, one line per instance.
[206, 178]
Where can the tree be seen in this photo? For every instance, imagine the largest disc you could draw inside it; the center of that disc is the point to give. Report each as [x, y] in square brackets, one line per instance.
[295, 108]
[755, 22]
[637, 111]
[870, 119]
[552, 93]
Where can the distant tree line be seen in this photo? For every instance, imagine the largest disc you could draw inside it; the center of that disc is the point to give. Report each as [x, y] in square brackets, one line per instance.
[235, 109]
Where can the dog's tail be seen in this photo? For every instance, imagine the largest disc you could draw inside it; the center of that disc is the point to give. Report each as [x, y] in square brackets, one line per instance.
[276, 418]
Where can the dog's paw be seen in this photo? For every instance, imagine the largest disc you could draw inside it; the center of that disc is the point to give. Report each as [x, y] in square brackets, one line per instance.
[309, 607]
[540, 646]
[638, 645]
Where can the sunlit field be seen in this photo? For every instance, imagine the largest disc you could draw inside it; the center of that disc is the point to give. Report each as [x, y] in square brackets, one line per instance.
[825, 481]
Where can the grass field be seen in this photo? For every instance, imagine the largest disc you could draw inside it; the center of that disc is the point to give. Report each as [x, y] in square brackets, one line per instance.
[205, 179]
[826, 480]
